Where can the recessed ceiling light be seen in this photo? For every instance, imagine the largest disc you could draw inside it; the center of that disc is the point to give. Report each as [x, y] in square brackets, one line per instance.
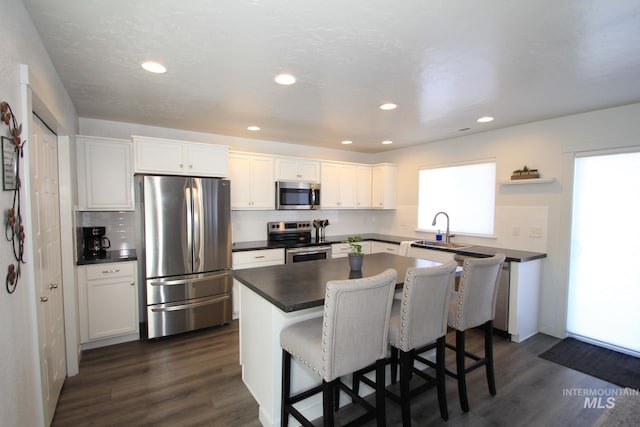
[347, 142]
[388, 106]
[387, 142]
[285, 79]
[253, 128]
[154, 67]
[485, 119]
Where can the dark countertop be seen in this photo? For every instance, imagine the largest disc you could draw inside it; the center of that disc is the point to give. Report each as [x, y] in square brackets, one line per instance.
[112, 256]
[297, 286]
[512, 255]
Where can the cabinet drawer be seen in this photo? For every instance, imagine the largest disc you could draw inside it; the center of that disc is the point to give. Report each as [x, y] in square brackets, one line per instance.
[241, 259]
[108, 271]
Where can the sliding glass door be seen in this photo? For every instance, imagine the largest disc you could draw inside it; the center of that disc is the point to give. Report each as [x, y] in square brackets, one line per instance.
[604, 283]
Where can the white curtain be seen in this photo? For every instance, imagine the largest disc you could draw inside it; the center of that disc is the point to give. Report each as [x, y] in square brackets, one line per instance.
[604, 283]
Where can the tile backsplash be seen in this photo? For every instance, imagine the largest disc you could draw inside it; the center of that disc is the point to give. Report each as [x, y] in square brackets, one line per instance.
[119, 227]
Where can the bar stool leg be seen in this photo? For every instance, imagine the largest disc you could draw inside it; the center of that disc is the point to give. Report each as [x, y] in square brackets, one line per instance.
[460, 368]
[488, 354]
[394, 364]
[441, 378]
[381, 413]
[327, 402]
[286, 388]
[406, 365]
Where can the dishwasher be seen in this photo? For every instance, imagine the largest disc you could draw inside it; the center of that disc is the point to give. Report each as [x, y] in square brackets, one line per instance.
[501, 320]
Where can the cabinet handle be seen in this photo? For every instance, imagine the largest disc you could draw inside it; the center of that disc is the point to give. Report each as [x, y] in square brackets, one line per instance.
[53, 286]
[190, 166]
[133, 284]
[389, 250]
[44, 299]
[181, 165]
[110, 271]
[259, 256]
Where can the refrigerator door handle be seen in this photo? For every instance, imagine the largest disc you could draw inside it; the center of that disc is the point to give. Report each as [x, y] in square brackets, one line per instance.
[198, 228]
[190, 305]
[188, 196]
[204, 278]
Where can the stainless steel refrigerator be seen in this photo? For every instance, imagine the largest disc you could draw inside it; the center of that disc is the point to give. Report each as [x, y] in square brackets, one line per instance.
[184, 259]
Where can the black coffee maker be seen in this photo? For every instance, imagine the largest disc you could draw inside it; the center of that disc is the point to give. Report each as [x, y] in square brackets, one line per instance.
[95, 242]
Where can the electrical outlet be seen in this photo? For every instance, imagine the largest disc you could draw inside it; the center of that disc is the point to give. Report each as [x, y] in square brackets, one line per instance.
[535, 232]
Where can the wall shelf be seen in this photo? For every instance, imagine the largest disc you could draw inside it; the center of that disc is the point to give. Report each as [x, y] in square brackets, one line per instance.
[528, 181]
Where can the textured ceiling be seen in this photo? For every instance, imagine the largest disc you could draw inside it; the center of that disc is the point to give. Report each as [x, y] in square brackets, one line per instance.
[445, 63]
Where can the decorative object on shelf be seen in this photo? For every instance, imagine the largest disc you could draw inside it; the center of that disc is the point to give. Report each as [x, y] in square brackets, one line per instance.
[12, 152]
[525, 173]
[355, 256]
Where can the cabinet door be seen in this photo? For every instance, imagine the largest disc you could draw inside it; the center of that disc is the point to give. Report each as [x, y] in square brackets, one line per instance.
[262, 183]
[252, 182]
[111, 300]
[363, 187]
[309, 170]
[338, 185]
[158, 156]
[241, 179]
[292, 169]
[377, 247]
[384, 186]
[205, 160]
[105, 178]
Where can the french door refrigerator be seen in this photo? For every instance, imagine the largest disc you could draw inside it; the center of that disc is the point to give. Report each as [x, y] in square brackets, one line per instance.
[185, 257]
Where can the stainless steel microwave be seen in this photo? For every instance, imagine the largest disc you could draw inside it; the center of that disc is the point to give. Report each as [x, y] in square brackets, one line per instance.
[297, 195]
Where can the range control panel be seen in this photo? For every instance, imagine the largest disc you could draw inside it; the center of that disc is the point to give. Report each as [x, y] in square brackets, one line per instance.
[288, 226]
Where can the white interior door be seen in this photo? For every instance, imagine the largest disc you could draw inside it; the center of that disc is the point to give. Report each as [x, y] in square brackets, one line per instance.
[47, 263]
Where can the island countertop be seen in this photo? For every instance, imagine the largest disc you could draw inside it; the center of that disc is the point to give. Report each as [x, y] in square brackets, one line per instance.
[298, 286]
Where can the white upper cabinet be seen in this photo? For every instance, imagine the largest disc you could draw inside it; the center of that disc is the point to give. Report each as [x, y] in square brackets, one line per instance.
[292, 169]
[363, 186]
[252, 182]
[155, 155]
[105, 174]
[384, 186]
[338, 186]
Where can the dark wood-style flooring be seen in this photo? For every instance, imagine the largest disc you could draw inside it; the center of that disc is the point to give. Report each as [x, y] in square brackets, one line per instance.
[195, 380]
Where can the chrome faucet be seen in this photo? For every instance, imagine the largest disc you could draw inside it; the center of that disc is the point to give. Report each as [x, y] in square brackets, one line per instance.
[447, 235]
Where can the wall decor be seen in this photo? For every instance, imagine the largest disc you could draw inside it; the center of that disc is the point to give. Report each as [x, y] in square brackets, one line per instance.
[9, 165]
[14, 229]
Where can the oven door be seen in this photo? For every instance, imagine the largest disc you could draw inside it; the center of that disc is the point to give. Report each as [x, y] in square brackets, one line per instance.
[308, 254]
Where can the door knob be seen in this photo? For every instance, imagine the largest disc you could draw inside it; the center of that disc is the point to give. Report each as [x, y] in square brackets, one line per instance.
[44, 299]
[53, 286]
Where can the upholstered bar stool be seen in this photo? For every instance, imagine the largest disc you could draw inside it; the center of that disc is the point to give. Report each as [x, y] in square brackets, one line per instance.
[472, 305]
[419, 318]
[351, 334]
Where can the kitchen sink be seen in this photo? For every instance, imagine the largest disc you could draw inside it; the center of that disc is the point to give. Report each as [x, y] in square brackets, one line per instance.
[437, 244]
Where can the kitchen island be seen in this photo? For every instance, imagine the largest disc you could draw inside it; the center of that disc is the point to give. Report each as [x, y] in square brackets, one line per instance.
[274, 297]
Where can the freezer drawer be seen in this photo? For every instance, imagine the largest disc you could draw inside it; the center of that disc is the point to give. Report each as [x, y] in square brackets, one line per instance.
[184, 316]
[179, 288]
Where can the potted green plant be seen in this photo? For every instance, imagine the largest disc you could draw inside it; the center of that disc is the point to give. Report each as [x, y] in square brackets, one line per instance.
[355, 256]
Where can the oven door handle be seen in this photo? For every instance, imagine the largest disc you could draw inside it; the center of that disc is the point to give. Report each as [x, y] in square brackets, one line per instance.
[315, 250]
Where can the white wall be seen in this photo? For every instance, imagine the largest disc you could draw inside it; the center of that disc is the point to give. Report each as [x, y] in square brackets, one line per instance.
[20, 404]
[546, 145]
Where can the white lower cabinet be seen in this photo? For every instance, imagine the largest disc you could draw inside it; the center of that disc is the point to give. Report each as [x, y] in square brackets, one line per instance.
[341, 250]
[389, 248]
[108, 303]
[431, 254]
[252, 259]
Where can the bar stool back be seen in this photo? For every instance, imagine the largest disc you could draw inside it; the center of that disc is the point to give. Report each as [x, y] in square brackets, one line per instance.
[351, 334]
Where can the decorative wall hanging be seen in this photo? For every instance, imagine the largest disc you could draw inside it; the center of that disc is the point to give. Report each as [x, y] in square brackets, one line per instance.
[14, 229]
